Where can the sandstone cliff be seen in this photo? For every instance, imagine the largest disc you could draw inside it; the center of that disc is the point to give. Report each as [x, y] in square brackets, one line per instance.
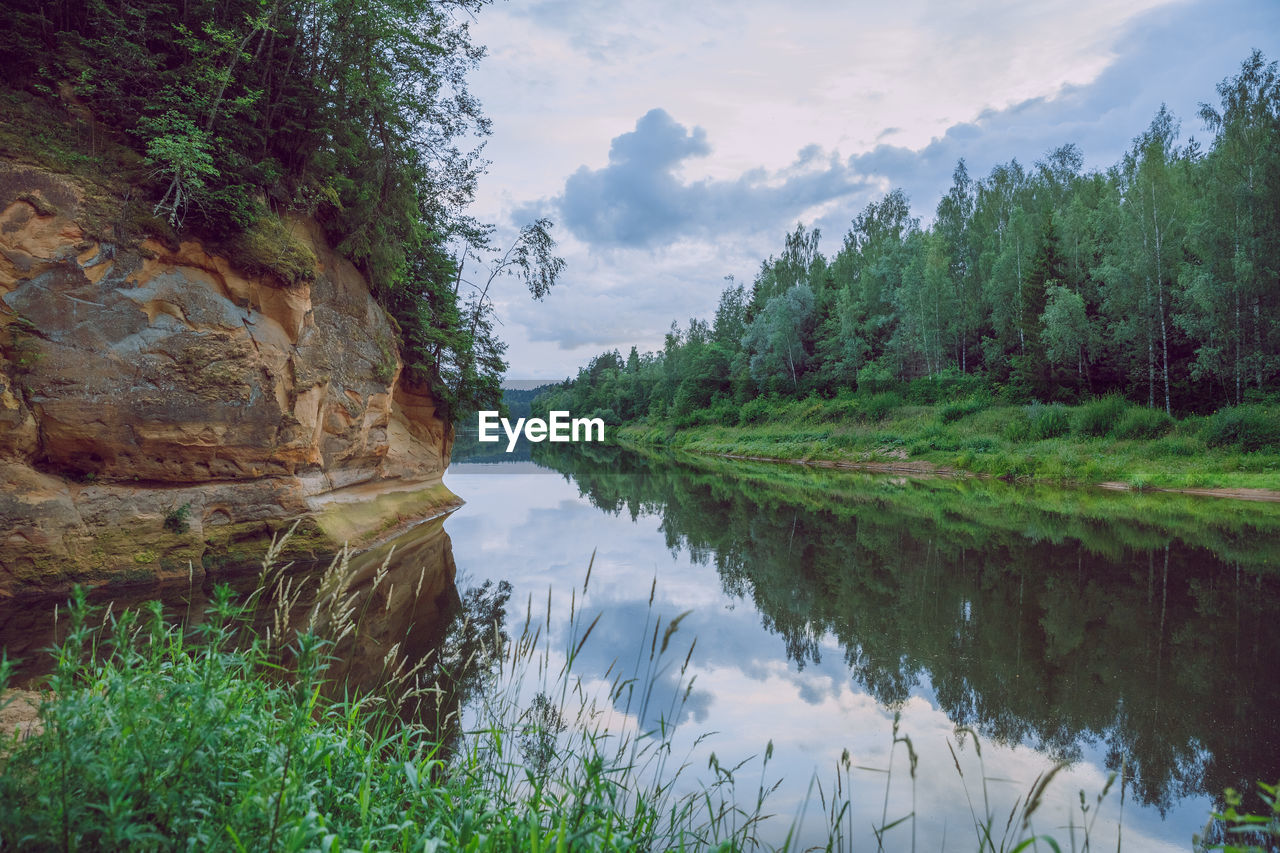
[159, 407]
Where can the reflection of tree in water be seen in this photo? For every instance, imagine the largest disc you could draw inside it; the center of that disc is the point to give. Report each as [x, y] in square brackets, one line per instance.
[466, 657]
[1047, 617]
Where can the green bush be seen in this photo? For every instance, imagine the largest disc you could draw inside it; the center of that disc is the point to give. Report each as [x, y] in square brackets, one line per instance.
[840, 409]
[1048, 421]
[958, 409]
[877, 407]
[723, 412]
[950, 384]
[1140, 422]
[1099, 416]
[1018, 426]
[1247, 428]
[757, 410]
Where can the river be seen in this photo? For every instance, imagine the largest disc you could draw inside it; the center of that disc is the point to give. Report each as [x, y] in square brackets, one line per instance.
[1108, 631]
[1111, 632]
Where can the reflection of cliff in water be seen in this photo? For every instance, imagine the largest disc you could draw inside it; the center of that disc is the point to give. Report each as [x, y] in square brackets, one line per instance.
[406, 611]
[1142, 624]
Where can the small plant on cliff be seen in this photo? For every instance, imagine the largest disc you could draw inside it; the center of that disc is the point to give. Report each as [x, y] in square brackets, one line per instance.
[269, 247]
[384, 370]
[181, 153]
[178, 519]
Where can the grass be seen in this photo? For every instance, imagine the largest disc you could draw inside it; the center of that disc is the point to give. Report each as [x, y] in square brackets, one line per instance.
[230, 733]
[269, 248]
[1106, 440]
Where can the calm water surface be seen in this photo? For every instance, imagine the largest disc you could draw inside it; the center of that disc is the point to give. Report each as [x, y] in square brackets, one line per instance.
[1100, 629]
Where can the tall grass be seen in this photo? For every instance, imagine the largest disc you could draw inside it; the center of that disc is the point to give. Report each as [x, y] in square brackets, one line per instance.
[235, 734]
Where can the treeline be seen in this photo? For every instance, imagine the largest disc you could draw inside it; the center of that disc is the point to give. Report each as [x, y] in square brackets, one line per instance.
[1158, 279]
[241, 112]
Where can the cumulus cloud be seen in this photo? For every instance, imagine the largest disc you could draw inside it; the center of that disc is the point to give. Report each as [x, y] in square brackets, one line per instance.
[640, 200]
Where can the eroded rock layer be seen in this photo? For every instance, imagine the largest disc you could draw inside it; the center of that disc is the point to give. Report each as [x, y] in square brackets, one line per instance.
[157, 405]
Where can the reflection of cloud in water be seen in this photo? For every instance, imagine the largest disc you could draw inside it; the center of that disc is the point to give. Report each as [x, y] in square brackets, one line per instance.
[539, 532]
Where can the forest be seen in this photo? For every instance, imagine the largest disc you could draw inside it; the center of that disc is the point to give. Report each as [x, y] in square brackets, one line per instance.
[1157, 280]
[219, 120]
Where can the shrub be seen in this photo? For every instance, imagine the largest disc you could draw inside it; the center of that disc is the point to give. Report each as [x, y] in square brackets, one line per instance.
[178, 520]
[1099, 416]
[757, 410]
[958, 409]
[1048, 421]
[1141, 422]
[1246, 428]
[950, 384]
[1018, 427]
[609, 416]
[880, 406]
[723, 412]
[268, 247]
[839, 410]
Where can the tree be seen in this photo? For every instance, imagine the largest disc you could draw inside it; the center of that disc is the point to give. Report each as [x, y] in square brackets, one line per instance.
[952, 228]
[531, 259]
[1150, 229]
[778, 338]
[1231, 277]
[179, 151]
[731, 314]
[1067, 336]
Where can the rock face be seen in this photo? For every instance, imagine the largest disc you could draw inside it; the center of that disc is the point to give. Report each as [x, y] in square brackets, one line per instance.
[146, 382]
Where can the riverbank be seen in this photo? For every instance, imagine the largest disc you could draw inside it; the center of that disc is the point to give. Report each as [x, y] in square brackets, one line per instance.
[1233, 453]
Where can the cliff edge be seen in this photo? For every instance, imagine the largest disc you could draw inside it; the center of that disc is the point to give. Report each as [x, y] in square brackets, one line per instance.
[162, 411]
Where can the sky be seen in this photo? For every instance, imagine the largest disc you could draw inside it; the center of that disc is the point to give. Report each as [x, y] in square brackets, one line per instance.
[674, 144]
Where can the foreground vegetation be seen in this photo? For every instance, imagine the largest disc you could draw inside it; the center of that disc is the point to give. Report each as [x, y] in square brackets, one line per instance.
[1106, 440]
[229, 737]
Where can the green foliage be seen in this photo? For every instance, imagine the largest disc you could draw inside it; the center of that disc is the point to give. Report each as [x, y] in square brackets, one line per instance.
[385, 369]
[269, 248]
[178, 519]
[877, 407]
[181, 154]
[1048, 421]
[757, 411]
[1143, 283]
[1099, 416]
[1246, 428]
[241, 114]
[1139, 422]
[153, 735]
[954, 411]
[1237, 829]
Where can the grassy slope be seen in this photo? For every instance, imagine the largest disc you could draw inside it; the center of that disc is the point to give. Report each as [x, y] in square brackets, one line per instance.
[992, 439]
